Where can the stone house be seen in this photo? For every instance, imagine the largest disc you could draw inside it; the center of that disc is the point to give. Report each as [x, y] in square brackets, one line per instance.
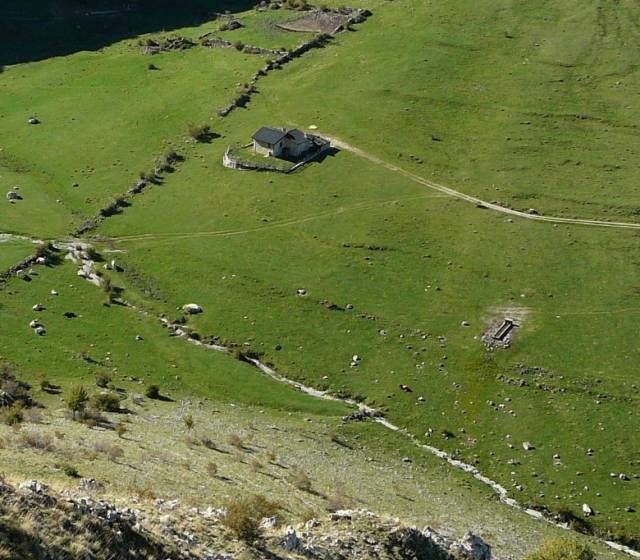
[280, 142]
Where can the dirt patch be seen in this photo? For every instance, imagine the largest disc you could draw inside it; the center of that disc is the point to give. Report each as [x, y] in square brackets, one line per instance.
[503, 326]
[325, 21]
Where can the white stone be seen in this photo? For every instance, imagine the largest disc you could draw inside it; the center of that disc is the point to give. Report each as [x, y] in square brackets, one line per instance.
[192, 308]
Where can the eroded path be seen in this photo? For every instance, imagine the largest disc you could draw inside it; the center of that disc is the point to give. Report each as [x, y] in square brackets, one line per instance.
[341, 144]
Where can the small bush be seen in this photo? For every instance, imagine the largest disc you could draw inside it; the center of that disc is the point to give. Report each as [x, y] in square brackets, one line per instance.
[244, 515]
[188, 422]
[112, 451]
[562, 549]
[238, 45]
[153, 392]
[36, 440]
[69, 470]
[212, 469]
[13, 416]
[199, 132]
[106, 402]
[112, 292]
[45, 385]
[236, 441]
[102, 379]
[44, 250]
[76, 401]
[208, 443]
[121, 429]
[301, 480]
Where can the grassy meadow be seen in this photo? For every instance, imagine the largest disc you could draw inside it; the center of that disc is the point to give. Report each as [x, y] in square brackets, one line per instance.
[528, 104]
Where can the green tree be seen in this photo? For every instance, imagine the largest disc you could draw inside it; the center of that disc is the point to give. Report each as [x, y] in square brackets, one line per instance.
[76, 400]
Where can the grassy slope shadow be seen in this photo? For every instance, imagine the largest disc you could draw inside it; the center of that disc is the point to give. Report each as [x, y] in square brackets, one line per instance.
[33, 30]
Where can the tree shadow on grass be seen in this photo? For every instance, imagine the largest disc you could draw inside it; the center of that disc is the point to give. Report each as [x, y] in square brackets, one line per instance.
[32, 30]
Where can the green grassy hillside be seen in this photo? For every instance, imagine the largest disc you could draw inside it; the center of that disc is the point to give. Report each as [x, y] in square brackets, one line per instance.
[526, 104]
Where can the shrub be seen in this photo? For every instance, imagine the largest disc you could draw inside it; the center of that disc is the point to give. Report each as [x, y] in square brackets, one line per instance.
[121, 429]
[112, 451]
[208, 443]
[188, 422]
[69, 470]
[36, 440]
[13, 416]
[102, 379]
[212, 469]
[93, 254]
[562, 549]
[238, 45]
[112, 292]
[199, 132]
[44, 250]
[76, 400]
[301, 480]
[236, 441]
[106, 402]
[244, 515]
[45, 385]
[153, 392]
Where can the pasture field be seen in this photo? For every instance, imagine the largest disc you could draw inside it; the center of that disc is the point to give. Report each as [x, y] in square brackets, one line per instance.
[105, 118]
[413, 278]
[526, 104]
[13, 251]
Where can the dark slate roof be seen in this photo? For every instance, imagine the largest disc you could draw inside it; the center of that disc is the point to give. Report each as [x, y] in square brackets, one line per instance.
[268, 135]
[297, 135]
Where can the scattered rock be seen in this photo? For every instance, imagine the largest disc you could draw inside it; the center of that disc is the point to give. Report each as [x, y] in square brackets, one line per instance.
[587, 510]
[38, 307]
[472, 547]
[13, 195]
[34, 486]
[528, 446]
[33, 120]
[291, 541]
[192, 308]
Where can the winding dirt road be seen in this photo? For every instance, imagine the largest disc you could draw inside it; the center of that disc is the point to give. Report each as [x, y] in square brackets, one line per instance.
[341, 144]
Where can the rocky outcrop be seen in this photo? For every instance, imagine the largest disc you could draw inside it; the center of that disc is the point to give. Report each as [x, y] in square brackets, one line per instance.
[66, 526]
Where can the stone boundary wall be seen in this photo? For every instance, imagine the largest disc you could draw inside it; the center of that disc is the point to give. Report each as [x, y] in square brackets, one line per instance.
[240, 101]
[218, 43]
[13, 271]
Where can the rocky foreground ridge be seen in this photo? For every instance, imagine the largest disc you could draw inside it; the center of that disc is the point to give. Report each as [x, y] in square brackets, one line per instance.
[37, 523]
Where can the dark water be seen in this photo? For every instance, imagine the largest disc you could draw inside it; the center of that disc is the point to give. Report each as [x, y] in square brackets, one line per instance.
[36, 29]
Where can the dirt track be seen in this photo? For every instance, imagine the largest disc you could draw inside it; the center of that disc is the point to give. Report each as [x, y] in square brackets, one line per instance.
[340, 144]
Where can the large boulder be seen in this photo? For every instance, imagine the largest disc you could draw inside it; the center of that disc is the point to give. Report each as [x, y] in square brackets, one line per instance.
[192, 308]
[472, 547]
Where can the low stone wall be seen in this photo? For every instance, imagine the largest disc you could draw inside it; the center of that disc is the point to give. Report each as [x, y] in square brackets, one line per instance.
[240, 101]
[218, 43]
[16, 268]
[231, 161]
